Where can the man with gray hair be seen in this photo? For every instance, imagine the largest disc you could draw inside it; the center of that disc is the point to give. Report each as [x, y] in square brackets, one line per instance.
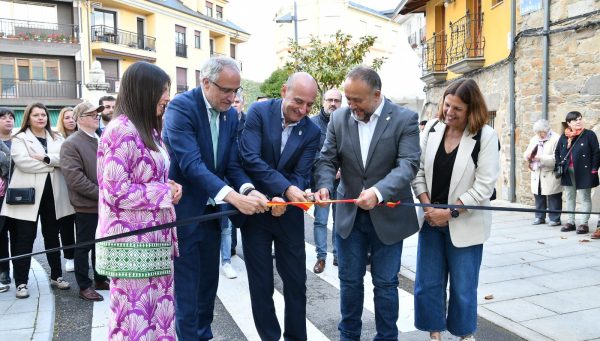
[200, 134]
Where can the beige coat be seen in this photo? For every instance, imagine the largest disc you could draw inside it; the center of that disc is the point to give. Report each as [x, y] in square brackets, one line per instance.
[550, 184]
[473, 186]
[30, 172]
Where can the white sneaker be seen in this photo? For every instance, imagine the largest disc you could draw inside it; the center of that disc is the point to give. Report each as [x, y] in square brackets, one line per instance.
[22, 291]
[60, 283]
[228, 271]
[4, 287]
[468, 338]
[70, 265]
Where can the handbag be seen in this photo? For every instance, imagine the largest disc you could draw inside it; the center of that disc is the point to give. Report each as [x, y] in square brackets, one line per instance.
[19, 196]
[558, 168]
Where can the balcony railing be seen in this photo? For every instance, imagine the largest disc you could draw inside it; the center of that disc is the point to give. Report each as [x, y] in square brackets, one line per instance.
[38, 31]
[181, 88]
[108, 34]
[180, 50]
[433, 58]
[466, 38]
[14, 88]
[113, 84]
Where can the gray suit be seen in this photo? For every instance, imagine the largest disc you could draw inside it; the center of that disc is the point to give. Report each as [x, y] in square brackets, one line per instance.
[392, 163]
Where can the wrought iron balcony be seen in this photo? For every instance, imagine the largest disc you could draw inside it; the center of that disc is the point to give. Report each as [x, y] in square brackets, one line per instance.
[465, 48]
[433, 59]
[108, 34]
[181, 88]
[38, 31]
[113, 84]
[14, 88]
[181, 50]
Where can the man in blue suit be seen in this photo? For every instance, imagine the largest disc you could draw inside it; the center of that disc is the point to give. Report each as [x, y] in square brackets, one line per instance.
[278, 147]
[200, 133]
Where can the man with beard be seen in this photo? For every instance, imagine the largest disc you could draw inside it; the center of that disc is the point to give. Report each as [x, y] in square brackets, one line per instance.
[332, 100]
[108, 102]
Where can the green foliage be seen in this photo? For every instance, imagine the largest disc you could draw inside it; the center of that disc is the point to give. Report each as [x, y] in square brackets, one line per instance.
[271, 87]
[330, 62]
[251, 91]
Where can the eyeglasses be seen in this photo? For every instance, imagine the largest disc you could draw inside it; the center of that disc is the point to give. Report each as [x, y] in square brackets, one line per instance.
[227, 91]
[335, 100]
[95, 115]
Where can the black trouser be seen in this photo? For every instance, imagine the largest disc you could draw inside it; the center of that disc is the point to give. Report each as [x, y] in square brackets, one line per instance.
[86, 224]
[548, 202]
[23, 233]
[4, 266]
[67, 234]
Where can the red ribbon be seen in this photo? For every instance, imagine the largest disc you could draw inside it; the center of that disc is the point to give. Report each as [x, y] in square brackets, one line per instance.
[305, 205]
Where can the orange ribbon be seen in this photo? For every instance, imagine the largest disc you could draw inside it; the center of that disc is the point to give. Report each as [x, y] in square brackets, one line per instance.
[305, 205]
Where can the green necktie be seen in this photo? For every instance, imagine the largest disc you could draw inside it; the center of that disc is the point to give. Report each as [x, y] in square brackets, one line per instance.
[214, 132]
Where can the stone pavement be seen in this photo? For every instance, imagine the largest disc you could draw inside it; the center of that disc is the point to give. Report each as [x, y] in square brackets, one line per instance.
[31, 318]
[544, 282]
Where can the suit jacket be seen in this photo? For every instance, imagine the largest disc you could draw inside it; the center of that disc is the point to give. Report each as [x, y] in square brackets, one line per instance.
[473, 186]
[392, 162]
[186, 134]
[29, 172]
[271, 170]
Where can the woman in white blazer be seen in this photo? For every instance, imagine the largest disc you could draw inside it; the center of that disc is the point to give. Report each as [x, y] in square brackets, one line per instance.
[35, 153]
[545, 187]
[451, 240]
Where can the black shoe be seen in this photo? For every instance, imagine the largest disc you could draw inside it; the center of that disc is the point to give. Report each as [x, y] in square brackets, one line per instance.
[5, 277]
[568, 227]
[335, 261]
[538, 221]
[233, 252]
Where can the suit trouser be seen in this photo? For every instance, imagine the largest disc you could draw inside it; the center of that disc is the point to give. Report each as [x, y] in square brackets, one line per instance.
[290, 258]
[197, 278]
[86, 231]
[67, 235]
[23, 233]
[4, 266]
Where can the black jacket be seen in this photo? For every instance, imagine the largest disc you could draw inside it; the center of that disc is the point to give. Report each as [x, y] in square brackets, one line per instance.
[586, 160]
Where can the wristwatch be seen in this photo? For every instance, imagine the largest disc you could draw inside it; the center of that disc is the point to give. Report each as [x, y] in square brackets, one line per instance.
[454, 213]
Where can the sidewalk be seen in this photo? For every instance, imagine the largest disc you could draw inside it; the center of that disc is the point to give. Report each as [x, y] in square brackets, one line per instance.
[545, 283]
[31, 318]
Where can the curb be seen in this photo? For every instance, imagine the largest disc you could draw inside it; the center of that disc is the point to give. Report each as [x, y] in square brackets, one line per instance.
[44, 320]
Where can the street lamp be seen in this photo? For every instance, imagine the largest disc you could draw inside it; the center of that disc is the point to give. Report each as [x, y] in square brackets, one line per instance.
[288, 19]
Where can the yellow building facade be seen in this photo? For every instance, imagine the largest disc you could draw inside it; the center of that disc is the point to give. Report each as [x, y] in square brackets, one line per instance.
[177, 36]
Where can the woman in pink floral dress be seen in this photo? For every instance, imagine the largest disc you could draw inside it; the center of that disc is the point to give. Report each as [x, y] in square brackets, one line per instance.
[135, 193]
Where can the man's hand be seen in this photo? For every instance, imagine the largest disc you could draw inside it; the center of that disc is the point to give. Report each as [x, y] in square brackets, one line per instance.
[294, 193]
[278, 211]
[176, 191]
[246, 204]
[255, 193]
[367, 199]
[320, 195]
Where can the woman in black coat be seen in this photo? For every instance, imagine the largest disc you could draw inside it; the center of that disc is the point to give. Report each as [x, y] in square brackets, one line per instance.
[578, 155]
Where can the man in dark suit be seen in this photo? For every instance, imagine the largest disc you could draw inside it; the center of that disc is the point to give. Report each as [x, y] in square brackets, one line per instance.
[200, 133]
[278, 147]
[375, 144]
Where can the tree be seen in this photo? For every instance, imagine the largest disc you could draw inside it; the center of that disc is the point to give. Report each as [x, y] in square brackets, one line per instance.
[271, 87]
[251, 91]
[330, 62]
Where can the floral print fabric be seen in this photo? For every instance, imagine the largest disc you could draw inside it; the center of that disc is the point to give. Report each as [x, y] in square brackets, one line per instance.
[134, 194]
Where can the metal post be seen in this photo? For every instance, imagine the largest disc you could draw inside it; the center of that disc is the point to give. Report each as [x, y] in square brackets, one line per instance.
[512, 195]
[545, 59]
[295, 23]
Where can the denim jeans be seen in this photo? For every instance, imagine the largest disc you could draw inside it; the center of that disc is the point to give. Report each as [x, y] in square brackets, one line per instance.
[225, 241]
[550, 202]
[320, 232]
[438, 259]
[352, 263]
[585, 197]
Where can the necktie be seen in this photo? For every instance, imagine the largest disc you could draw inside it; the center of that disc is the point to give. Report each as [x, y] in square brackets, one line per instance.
[214, 132]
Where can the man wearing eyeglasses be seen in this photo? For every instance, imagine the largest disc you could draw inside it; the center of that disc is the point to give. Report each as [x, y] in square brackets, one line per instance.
[78, 165]
[200, 134]
[332, 100]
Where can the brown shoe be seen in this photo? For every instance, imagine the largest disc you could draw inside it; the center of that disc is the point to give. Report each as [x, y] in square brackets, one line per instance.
[319, 266]
[568, 227]
[582, 229]
[101, 285]
[90, 294]
[596, 234]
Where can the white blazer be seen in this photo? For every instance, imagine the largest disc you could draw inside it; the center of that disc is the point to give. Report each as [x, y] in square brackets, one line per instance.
[473, 186]
[30, 172]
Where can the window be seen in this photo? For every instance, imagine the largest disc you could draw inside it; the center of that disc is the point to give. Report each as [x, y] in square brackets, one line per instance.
[198, 78]
[23, 69]
[37, 69]
[219, 12]
[197, 39]
[232, 50]
[181, 79]
[30, 69]
[209, 8]
[496, 2]
[527, 6]
[491, 118]
[180, 47]
[105, 21]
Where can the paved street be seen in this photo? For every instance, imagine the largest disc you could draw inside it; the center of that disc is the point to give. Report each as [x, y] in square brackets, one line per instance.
[542, 282]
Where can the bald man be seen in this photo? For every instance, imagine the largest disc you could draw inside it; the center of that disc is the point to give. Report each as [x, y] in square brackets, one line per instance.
[278, 147]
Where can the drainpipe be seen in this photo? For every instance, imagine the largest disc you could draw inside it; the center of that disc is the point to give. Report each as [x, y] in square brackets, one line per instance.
[512, 195]
[545, 58]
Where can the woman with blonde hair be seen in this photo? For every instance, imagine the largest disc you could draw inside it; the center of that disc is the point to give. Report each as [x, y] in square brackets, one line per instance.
[35, 152]
[66, 124]
[460, 164]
